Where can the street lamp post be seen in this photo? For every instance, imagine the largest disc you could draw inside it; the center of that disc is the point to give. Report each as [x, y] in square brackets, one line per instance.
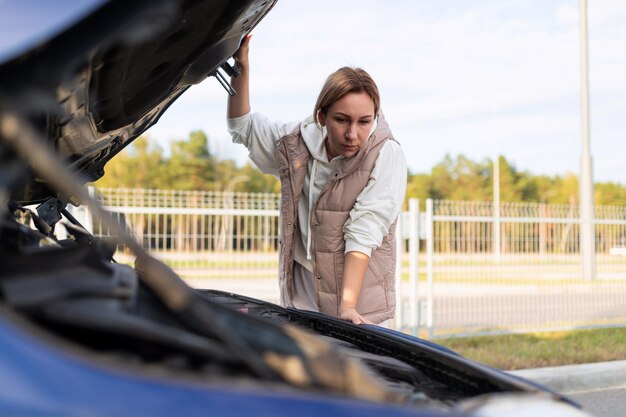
[496, 191]
[587, 232]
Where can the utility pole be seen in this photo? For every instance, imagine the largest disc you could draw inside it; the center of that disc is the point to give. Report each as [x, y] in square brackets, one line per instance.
[496, 193]
[587, 232]
[496, 209]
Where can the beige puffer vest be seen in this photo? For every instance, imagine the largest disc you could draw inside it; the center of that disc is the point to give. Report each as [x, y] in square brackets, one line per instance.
[336, 200]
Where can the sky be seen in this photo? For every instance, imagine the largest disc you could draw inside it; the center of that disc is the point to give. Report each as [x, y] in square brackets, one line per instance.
[477, 78]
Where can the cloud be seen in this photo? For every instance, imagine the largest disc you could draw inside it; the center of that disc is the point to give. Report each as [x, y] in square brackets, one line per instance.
[444, 69]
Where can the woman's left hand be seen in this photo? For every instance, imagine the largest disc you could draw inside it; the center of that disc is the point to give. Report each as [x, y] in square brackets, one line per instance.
[350, 314]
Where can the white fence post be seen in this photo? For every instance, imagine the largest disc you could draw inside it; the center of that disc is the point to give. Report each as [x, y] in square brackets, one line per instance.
[399, 318]
[496, 231]
[414, 248]
[430, 248]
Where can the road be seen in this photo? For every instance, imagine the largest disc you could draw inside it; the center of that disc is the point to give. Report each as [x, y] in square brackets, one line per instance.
[474, 307]
[607, 402]
[482, 306]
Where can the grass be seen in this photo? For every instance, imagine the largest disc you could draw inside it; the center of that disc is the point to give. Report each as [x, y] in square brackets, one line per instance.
[535, 350]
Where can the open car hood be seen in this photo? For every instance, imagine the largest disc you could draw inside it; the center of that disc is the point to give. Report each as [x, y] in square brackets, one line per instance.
[97, 82]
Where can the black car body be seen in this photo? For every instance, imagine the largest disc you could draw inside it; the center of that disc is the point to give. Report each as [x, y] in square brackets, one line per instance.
[72, 98]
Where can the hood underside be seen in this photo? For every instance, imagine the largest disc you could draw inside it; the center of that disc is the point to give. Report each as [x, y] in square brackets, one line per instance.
[97, 84]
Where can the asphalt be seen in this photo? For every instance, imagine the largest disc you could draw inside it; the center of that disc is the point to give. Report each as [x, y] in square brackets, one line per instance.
[573, 378]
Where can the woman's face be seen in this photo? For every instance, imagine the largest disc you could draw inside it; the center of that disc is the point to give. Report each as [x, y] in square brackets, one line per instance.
[348, 123]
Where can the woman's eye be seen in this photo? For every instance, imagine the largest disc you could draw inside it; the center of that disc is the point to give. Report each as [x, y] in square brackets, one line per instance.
[364, 122]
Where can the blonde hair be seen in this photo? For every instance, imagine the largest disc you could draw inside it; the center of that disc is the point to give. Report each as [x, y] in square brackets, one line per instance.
[344, 81]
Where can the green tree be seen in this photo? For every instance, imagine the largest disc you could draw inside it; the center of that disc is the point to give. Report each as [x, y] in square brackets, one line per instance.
[191, 166]
[225, 171]
[610, 193]
[258, 182]
[566, 189]
[471, 180]
[454, 179]
[419, 186]
[441, 183]
[140, 165]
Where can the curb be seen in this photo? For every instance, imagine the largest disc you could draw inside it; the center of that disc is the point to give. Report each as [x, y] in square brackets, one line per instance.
[572, 378]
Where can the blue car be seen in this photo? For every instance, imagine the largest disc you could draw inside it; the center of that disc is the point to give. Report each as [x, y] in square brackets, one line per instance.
[81, 335]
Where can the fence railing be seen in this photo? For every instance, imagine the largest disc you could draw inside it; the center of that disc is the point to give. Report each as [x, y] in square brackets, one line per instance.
[463, 266]
[519, 269]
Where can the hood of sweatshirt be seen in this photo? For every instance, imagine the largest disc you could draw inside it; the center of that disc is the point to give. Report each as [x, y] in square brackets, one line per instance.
[314, 135]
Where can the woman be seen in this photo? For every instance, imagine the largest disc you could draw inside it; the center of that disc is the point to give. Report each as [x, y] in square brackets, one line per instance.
[343, 179]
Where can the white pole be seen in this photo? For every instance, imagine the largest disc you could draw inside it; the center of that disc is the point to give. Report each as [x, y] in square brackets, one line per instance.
[430, 249]
[496, 209]
[587, 232]
[496, 189]
[399, 318]
[414, 247]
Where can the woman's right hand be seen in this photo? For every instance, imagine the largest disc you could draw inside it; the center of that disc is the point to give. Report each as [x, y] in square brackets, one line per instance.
[241, 56]
[351, 315]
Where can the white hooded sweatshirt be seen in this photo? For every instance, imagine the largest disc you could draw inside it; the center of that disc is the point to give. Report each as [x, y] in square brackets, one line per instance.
[377, 206]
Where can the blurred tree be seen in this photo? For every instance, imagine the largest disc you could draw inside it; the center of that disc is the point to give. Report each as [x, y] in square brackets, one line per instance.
[191, 166]
[419, 186]
[508, 180]
[471, 180]
[441, 182]
[566, 189]
[259, 182]
[610, 193]
[225, 170]
[140, 165]
[545, 189]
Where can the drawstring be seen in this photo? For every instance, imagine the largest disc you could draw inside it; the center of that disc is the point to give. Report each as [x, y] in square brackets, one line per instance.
[311, 188]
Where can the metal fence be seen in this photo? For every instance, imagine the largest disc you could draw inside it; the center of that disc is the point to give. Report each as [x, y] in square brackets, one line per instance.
[519, 268]
[219, 240]
[463, 266]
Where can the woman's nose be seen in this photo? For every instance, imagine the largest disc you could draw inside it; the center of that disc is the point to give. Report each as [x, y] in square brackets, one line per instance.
[351, 132]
